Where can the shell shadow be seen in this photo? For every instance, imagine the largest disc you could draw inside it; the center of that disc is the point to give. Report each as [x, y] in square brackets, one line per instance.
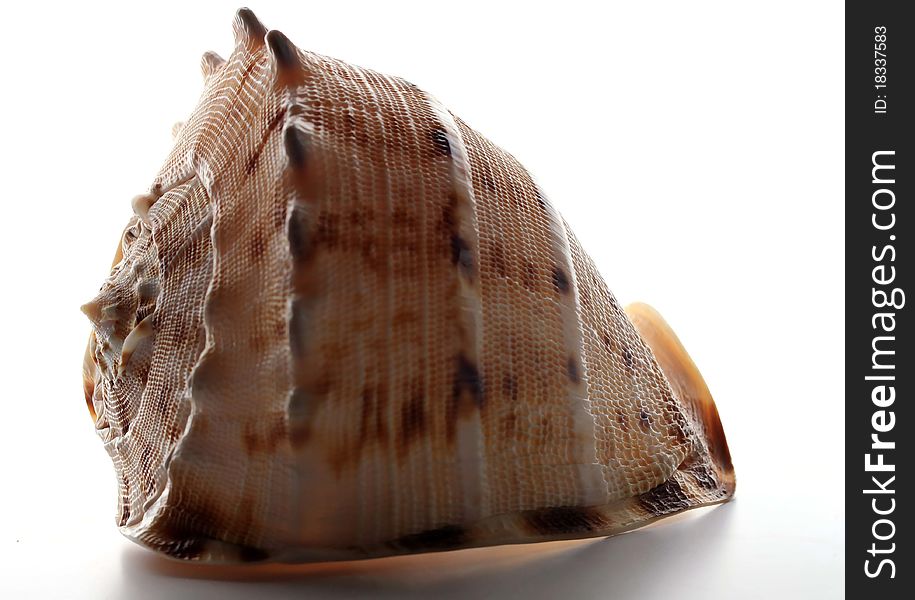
[646, 563]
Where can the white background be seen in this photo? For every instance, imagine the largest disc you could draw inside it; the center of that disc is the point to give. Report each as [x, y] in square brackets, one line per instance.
[696, 148]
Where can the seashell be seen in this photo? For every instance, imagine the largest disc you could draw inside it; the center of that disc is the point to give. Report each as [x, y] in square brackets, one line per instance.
[343, 324]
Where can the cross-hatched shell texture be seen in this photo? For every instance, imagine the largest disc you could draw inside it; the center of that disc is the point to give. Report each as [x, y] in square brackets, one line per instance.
[344, 324]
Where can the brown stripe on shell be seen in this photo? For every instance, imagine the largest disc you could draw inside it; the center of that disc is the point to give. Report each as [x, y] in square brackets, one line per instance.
[562, 520]
[297, 417]
[592, 486]
[628, 361]
[302, 228]
[413, 420]
[176, 535]
[467, 379]
[510, 387]
[300, 244]
[460, 251]
[678, 429]
[466, 392]
[572, 370]
[705, 477]
[560, 280]
[258, 245]
[275, 122]
[295, 142]
[448, 537]
[125, 503]
[327, 232]
[666, 498]
[373, 424]
[179, 535]
[498, 260]
[541, 201]
[488, 181]
[298, 326]
[192, 548]
[644, 419]
[463, 426]
[461, 255]
[251, 554]
[260, 437]
[440, 142]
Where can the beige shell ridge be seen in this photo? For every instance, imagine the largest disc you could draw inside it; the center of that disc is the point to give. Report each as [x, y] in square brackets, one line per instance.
[343, 324]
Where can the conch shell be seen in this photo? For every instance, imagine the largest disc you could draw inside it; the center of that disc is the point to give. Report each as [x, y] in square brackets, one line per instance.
[343, 324]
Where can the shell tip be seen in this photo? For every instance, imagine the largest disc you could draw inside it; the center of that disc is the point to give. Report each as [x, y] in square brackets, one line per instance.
[249, 31]
[210, 62]
[92, 310]
[288, 67]
[141, 205]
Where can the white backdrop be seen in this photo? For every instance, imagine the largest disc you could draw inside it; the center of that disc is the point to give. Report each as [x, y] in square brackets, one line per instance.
[695, 148]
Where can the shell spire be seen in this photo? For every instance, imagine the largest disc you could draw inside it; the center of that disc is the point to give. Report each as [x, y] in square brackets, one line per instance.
[141, 205]
[210, 62]
[288, 68]
[249, 31]
[92, 310]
